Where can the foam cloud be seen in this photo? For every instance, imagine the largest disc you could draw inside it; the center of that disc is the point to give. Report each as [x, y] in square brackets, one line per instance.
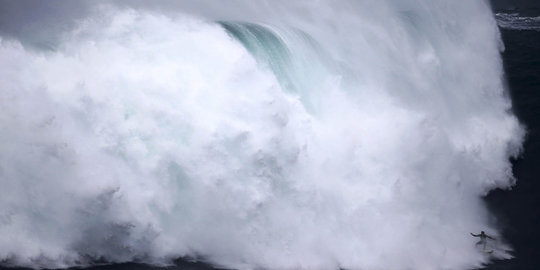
[360, 141]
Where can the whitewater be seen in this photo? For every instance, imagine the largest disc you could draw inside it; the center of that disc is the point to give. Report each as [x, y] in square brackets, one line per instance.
[254, 134]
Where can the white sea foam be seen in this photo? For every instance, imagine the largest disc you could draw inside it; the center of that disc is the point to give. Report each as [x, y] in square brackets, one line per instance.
[514, 21]
[357, 135]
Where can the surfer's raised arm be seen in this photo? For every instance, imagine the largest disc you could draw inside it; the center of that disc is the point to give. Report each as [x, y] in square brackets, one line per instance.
[475, 235]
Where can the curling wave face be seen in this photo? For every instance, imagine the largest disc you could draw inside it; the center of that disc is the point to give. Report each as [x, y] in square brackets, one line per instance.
[275, 137]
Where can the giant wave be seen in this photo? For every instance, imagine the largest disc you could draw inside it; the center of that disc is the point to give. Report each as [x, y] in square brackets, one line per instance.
[256, 135]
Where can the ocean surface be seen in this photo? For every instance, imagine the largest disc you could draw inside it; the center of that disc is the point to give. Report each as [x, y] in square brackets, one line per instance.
[517, 209]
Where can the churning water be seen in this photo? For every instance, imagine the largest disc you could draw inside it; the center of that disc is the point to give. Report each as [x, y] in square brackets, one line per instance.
[276, 135]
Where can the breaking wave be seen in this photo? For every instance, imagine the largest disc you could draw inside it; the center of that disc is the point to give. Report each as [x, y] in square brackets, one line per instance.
[305, 135]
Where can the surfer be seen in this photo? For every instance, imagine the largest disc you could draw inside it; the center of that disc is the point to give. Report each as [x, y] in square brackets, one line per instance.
[483, 239]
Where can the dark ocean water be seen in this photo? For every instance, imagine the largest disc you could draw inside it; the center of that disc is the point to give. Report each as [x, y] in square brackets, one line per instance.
[518, 210]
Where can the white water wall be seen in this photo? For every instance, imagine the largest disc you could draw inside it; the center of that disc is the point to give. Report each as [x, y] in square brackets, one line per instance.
[148, 131]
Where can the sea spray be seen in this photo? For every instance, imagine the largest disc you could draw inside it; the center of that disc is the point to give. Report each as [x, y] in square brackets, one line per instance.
[285, 136]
